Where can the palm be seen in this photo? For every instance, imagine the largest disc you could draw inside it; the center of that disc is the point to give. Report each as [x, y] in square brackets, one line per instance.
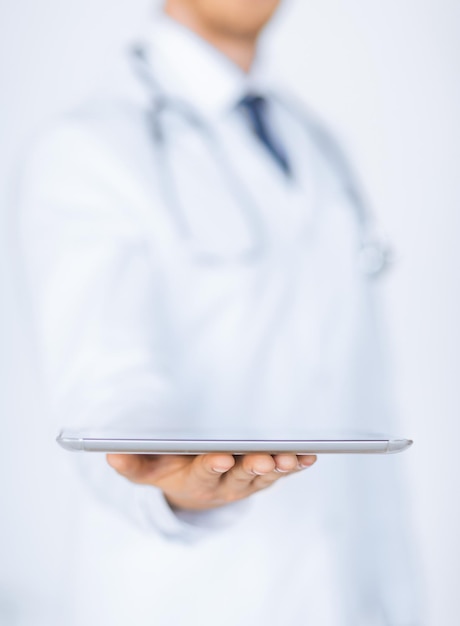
[209, 480]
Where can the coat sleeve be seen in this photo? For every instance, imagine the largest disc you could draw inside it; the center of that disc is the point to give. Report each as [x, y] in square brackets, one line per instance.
[96, 298]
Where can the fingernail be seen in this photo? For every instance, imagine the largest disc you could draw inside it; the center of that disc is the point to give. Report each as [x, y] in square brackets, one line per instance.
[220, 470]
[305, 464]
[280, 470]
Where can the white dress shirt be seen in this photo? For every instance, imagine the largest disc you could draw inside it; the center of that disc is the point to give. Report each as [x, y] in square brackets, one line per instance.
[135, 325]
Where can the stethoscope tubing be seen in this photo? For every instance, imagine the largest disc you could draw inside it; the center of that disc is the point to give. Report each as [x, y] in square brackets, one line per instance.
[374, 253]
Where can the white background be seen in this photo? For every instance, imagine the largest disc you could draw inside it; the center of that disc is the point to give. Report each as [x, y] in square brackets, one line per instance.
[386, 75]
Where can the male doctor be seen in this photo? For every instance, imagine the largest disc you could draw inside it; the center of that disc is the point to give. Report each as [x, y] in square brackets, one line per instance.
[194, 251]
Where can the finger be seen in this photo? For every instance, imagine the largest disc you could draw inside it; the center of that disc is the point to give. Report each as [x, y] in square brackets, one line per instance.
[306, 460]
[294, 465]
[148, 469]
[208, 469]
[286, 463]
[262, 482]
[246, 469]
[131, 466]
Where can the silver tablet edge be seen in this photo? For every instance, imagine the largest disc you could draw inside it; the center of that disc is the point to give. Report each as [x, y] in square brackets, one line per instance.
[133, 446]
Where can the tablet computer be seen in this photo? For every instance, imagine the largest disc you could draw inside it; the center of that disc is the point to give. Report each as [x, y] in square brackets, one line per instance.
[180, 441]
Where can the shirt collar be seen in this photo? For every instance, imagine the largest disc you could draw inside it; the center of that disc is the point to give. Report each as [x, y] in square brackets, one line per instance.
[187, 67]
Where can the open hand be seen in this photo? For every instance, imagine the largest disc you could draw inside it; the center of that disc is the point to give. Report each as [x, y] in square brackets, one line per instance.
[209, 480]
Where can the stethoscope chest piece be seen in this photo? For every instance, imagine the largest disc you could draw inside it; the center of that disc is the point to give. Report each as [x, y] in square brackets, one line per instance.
[374, 258]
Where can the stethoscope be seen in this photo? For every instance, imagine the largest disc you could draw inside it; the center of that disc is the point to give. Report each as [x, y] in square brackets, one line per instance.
[374, 254]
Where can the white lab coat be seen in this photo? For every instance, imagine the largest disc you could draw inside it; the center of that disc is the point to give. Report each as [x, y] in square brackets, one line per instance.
[131, 325]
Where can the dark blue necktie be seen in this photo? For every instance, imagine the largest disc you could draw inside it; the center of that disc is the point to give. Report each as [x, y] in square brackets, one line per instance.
[256, 110]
